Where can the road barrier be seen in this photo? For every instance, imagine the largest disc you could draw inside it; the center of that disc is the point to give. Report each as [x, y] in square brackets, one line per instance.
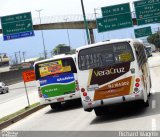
[12, 77]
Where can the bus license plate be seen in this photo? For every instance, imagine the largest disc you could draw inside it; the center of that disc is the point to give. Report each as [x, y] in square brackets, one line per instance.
[60, 99]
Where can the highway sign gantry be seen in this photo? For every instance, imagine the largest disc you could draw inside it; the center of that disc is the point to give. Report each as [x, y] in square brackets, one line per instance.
[115, 17]
[147, 11]
[17, 26]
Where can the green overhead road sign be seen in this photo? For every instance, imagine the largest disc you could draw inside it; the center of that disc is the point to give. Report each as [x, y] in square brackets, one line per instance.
[17, 26]
[114, 22]
[147, 11]
[115, 17]
[116, 9]
[143, 32]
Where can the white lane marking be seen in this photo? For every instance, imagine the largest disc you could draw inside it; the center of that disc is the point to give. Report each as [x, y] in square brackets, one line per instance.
[154, 124]
[153, 104]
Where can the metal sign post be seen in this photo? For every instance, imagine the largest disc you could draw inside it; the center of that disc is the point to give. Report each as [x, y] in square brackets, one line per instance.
[28, 76]
[27, 94]
[85, 23]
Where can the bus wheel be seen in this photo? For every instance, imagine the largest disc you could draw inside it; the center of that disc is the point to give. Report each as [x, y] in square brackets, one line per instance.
[150, 82]
[149, 94]
[146, 104]
[99, 111]
[55, 105]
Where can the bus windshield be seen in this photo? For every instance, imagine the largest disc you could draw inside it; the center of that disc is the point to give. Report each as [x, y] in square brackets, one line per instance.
[54, 67]
[105, 55]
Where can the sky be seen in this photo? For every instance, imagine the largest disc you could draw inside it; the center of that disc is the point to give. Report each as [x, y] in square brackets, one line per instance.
[54, 7]
[33, 46]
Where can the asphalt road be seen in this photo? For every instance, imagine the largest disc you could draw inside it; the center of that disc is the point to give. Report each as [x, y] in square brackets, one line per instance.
[125, 117]
[17, 90]
[16, 99]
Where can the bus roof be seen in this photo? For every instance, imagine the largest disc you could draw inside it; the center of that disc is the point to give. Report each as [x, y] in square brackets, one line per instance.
[61, 56]
[108, 42]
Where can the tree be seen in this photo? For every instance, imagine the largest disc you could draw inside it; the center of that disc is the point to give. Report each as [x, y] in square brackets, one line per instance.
[73, 51]
[40, 58]
[57, 51]
[154, 39]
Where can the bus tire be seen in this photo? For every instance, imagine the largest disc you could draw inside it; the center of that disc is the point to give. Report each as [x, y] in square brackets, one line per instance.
[146, 104]
[88, 110]
[149, 94]
[55, 105]
[98, 112]
[150, 82]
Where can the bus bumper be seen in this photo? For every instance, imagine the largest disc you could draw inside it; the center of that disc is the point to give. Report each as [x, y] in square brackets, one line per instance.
[63, 98]
[89, 105]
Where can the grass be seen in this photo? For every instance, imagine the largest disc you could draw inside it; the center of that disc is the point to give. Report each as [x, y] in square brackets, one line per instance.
[8, 117]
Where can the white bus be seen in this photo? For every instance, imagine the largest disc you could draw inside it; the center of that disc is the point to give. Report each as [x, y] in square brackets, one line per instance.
[57, 78]
[113, 72]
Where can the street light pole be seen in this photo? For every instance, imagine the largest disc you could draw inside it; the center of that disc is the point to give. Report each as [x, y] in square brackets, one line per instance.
[85, 22]
[68, 36]
[45, 56]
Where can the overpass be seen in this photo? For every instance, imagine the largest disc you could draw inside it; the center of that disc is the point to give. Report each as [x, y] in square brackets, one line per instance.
[78, 23]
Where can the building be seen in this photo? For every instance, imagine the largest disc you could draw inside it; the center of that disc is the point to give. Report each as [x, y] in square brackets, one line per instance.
[4, 60]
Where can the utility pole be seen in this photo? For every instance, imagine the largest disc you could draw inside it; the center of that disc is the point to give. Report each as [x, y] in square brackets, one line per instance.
[85, 22]
[15, 54]
[46, 53]
[51, 52]
[45, 56]
[68, 34]
[20, 57]
[23, 53]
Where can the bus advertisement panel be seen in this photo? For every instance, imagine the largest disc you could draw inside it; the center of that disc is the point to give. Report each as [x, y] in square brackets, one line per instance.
[52, 86]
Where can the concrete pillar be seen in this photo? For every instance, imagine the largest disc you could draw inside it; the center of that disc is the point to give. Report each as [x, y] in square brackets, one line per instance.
[91, 36]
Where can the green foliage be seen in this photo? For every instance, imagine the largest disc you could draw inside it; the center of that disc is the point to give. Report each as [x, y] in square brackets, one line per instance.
[73, 51]
[40, 58]
[154, 39]
[56, 49]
